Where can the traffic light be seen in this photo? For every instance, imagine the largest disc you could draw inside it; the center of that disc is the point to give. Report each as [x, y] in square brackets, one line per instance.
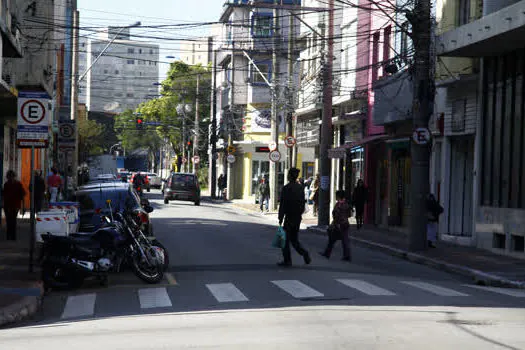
[139, 123]
[189, 143]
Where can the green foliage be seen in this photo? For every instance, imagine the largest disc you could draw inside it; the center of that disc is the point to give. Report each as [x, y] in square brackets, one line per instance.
[90, 140]
[202, 175]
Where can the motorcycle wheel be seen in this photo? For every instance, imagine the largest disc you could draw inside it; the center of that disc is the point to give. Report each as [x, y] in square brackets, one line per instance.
[156, 243]
[54, 277]
[144, 271]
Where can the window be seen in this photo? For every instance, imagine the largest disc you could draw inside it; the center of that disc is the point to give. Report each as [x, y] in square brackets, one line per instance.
[404, 41]
[129, 94]
[131, 61]
[105, 71]
[131, 50]
[386, 44]
[151, 52]
[140, 50]
[375, 55]
[463, 12]
[116, 71]
[264, 68]
[262, 25]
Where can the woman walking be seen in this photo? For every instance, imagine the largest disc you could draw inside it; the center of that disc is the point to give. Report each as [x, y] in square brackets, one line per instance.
[359, 198]
[13, 196]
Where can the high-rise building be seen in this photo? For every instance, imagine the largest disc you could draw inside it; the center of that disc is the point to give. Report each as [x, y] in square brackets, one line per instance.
[197, 51]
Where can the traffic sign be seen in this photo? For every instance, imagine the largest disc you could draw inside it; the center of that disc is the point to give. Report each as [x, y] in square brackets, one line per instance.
[230, 158]
[421, 136]
[196, 159]
[33, 119]
[231, 149]
[275, 156]
[289, 141]
[272, 146]
[66, 134]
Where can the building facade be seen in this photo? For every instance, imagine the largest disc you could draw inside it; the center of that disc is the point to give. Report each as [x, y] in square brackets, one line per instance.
[198, 51]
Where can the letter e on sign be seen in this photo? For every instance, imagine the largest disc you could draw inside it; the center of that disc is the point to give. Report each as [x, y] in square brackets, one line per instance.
[421, 136]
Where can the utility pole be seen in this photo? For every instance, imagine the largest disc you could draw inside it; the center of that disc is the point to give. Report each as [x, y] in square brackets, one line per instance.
[325, 164]
[229, 175]
[422, 108]
[196, 138]
[291, 160]
[274, 166]
[213, 137]
[74, 101]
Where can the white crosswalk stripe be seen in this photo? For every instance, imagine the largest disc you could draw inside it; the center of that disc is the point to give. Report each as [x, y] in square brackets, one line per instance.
[432, 288]
[153, 297]
[226, 292]
[297, 289]
[505, 291]
[79, 306]
[365, 287]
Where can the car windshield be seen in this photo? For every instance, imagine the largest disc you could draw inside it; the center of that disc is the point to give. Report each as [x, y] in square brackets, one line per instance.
[183, 180]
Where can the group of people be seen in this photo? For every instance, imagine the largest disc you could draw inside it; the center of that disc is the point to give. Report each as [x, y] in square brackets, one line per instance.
[292, 206]
[13, 196]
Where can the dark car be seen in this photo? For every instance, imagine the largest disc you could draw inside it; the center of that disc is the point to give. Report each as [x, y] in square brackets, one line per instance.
[182, 186]
[93, 204]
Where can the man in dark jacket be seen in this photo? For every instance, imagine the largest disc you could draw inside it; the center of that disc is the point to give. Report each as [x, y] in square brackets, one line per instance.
[291, 209]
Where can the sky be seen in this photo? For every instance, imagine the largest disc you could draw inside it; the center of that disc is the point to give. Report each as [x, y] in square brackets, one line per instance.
[102, 13]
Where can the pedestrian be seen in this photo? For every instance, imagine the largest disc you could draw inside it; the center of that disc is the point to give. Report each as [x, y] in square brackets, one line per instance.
[264, 194]
[40, 191]
[220, 182]
[13, 196]
[340, 227]
[291, 209]
[314, 193]
[54, 183]
[359, 198]
[224, 184]
[434, 210]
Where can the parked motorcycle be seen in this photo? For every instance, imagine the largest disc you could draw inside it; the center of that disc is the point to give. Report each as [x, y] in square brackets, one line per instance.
[68, 261]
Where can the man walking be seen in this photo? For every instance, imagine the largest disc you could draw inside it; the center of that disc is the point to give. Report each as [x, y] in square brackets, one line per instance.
[291, 209]
[264, 194]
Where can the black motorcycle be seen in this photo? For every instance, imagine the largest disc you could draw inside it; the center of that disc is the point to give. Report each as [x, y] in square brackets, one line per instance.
[68, 261]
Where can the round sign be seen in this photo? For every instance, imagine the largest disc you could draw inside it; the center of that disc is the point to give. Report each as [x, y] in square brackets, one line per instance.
[196, 159]
[230, 158]
[272, 146]
[275, 156]
[421, 136]
[66, 131]
[33, 112]
[289, 141]
[231, 149]
[184, 160]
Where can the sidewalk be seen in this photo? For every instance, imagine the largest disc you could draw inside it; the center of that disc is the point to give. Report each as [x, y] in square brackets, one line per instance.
[20, 291]
[482, 266]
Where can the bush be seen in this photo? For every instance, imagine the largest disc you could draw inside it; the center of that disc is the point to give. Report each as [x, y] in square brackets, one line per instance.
[203, 177]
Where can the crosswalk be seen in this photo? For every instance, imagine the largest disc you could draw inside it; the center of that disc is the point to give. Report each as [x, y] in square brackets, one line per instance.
[151, 298]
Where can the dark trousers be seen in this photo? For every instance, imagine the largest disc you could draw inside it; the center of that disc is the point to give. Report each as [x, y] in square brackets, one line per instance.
[291, 227]
[10, 220]
[359, 214]
[345, 241]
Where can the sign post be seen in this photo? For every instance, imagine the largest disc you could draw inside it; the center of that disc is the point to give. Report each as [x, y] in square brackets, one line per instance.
[32, 132]
[66, 144]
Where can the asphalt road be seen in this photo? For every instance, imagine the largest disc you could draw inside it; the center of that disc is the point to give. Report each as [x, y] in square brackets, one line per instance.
[223, 290]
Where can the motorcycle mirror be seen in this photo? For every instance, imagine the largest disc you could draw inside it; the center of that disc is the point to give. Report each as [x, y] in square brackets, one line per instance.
[148, 209]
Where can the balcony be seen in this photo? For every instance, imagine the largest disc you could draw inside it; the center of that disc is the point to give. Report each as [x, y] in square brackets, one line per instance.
[9, 28]
[393, 97]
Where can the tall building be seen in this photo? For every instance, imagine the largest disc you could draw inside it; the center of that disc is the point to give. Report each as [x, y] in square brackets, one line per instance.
[123, 77]
[197, 52]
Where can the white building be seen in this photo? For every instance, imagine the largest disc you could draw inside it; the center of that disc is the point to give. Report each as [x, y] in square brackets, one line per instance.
[123, 77]
[198, 51]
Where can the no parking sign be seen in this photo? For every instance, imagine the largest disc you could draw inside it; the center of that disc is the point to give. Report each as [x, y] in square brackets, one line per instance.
[33, 119]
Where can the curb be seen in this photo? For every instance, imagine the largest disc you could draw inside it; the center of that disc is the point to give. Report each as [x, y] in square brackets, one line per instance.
[23, 309]
[480, 277]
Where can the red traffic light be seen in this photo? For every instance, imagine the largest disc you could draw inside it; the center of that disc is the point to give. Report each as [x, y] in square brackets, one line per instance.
[189, 143]
[139, 121]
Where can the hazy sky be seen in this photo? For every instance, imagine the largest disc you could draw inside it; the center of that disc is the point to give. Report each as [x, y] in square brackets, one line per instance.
[96, 14]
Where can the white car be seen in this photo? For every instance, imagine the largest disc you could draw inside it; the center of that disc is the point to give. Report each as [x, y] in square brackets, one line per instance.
[154, 180]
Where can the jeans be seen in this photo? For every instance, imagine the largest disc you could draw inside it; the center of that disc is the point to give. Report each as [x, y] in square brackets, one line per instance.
[264, 201]
[53, 191]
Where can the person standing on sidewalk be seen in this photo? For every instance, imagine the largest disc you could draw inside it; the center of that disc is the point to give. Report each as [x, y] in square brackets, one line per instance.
[264, 194]
[314, 193]
[13, 195]
[339, 227]
[434, 210]
[360, 197]
[54, 182]
[291, 208]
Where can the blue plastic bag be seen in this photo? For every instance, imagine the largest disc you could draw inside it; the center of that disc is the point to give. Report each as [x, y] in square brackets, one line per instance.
[279, 240]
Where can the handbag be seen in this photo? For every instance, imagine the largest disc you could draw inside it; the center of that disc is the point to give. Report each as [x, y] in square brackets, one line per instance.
[279, 240]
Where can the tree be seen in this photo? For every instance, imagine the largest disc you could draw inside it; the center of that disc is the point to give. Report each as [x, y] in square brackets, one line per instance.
[90, 138]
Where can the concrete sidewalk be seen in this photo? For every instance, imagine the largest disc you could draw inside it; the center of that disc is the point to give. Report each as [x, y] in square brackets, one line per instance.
[482, 266]
[21, 292]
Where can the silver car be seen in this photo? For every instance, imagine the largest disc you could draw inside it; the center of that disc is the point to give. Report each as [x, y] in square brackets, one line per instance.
[154, 180]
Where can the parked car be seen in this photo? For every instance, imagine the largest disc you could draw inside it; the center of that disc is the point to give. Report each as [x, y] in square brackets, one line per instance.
[154, 180]
[93, 204]
[103, 178]
[182, 186]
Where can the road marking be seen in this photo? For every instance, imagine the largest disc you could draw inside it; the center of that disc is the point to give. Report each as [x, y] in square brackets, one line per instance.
[365, 287]
[226, 292]
[297, 289]
[432, 288]
[154, 297]
[170, 278]
[510, 292]
[79, 305]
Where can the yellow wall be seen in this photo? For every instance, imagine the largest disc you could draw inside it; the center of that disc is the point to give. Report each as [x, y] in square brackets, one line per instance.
[264, 137]
[247, 175]
[447, 12]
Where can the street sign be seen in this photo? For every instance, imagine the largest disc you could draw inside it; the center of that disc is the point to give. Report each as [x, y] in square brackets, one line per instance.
[275, 156]
[421, 136]
[66, 134]
[231, 149]
[33, 119]
[196, 159]
[230, 158]
[272, 146]
[289, 141]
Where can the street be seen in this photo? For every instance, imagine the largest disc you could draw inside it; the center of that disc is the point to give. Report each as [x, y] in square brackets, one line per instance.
[224, 290]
